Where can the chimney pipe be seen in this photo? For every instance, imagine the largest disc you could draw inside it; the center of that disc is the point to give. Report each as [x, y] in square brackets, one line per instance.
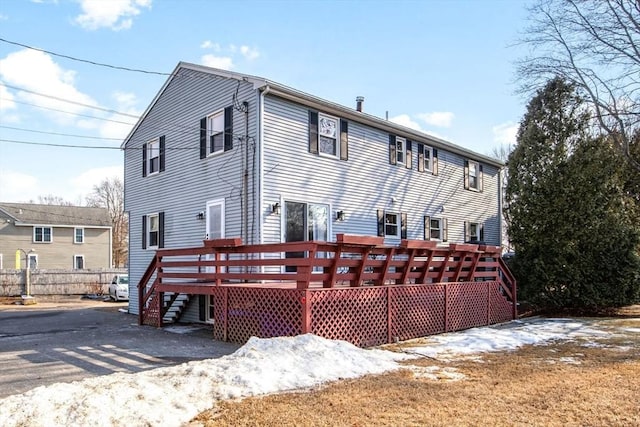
[359, 101]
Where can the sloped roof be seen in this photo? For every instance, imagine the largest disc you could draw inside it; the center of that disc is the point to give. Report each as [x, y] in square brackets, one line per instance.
[278, 89]
[29, 213]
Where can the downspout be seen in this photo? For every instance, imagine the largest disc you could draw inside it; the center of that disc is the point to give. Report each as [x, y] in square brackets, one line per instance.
[500, 222]
[260, 144]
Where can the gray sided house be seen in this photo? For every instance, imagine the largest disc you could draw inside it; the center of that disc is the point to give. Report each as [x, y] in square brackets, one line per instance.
[54, 237]
[222, 154]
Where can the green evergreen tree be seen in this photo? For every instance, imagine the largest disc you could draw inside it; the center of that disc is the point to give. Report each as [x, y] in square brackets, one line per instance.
[572, 220]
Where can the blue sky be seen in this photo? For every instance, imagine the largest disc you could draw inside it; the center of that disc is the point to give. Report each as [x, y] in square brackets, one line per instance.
[444, 67]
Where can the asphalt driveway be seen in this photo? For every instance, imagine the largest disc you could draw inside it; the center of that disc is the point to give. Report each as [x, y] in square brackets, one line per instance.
[64, 342]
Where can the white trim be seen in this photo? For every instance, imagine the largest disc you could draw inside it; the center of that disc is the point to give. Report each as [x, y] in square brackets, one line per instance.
[440, 228]
[29, 258]
[210, 203]
[150, 144]
[429, 149]
[33, 224]
[337, 137]
[75, 257]
[0, 261]
[43, 227]
[403, 145]
[398, 224]
[75, 240]
[477, 175]
[148, 228]
[214, 115]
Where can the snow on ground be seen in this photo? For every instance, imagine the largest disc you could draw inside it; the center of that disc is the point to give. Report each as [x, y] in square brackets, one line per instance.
[174, 395]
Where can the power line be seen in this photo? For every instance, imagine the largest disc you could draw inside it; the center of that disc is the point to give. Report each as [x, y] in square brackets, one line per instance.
[86, 61]
[107, 110]
[48, 144]
[72, 113]
[59, 134]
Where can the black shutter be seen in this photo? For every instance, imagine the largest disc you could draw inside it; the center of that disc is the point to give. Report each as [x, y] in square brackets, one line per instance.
[162, 152]
[344, 140]
[427, 228]
[482, 232]
[409, 156]
[228, 128]
[144, 160]
[202, 307]
[403, 225]
[392, 149]
[480, 179]
[161, 230]
[380, 222]
[144, 232]
[466, 232]
[466, 174]
[445, 229]
[434, 166]
[420, 157]
[203, 138]
[313, 132]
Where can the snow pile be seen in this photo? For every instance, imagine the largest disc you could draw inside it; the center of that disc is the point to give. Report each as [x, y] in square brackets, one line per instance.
[172, 396]
[504, 337]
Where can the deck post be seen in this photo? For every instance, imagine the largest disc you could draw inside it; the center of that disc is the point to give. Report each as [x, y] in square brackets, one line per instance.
[446, 311]
[306, 311]
[389, 316]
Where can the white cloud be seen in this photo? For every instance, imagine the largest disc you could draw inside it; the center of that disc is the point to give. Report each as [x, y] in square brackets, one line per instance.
[406, 120]
[17, 186]
[114, 14]
[83, 183]
[249, 53]
[6, 99]
[437, 118]
[3, 17]
[221, 62]
[505, 133]
[208, 44]
[36, 71]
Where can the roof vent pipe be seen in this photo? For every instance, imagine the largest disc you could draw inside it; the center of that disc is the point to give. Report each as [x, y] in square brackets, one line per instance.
[359, 101]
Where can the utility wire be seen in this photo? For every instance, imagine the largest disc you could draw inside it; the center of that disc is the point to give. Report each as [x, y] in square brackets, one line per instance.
[107, 110]
[60, 134]
[14, 141]
[72, 113]
[86, 61]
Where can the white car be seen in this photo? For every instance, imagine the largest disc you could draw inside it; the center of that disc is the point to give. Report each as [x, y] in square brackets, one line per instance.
[119, 288]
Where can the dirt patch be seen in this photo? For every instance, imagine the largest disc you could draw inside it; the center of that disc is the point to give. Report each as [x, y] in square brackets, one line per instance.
[560, 384]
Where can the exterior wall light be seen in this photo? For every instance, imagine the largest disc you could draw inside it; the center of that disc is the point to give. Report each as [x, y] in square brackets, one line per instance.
[340, 216]
[275, 208]
[200, 215]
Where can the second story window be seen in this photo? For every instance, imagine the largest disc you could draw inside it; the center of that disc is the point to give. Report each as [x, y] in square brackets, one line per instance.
[78, 235]
[42, 234]
[216, 133]
[153, 156]
[327, 135]
[400, 153]
[472, 175]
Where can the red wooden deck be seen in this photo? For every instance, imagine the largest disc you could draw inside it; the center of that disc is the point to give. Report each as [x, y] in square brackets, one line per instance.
[355, 289]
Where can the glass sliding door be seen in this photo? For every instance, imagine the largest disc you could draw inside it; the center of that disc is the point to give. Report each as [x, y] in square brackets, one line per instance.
[303, 222]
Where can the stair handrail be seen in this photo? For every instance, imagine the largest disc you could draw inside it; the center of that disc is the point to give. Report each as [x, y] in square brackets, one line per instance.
[143, 293]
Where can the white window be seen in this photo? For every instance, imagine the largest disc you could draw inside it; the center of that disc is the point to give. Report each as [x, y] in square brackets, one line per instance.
[427, 153]
[153, 156]
[400, 151]
[474, 232]
[42, 234]
[327, 135]
[1, 262]
[78, 262]
[153, 230]
[392, 224]
[215, 133]
[474, 175]
[435, 229]
[78, 235]
[33, 261]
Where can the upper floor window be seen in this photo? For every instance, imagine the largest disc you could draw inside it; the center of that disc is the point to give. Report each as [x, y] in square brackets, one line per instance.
[153, 156]
[399, 151]
[42, 234]
[216, 132]
[472, 175]
[78, 235]
[328, 135]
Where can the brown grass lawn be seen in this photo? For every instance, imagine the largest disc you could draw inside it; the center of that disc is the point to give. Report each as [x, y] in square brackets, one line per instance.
[561, 384]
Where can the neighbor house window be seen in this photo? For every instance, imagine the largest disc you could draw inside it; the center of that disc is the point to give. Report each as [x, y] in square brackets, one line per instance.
[153, 231]
[1, 262]
[42, 234]
[215, 133]
[472, 175]
[327, 135]
[78, 262]
[78, 235]
[474, 232]
[33, 261]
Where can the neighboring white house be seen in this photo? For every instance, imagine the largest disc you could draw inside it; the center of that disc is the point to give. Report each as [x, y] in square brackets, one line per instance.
[222, 154]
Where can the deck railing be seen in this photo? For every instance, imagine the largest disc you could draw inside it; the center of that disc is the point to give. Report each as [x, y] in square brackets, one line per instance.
[351, 261]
